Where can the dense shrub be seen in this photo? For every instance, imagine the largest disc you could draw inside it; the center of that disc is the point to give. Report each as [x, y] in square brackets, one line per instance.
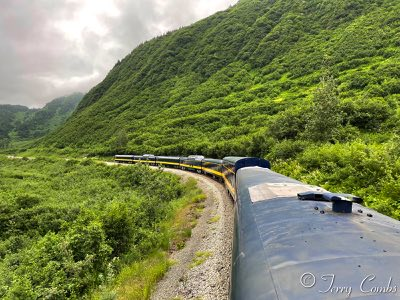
[64, 237]
[367, 113]
[287, 149]
[288, 124]
[368, 170]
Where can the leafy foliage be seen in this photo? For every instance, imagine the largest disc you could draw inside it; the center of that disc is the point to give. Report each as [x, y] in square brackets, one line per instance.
[68, 226]
[370, 170]
[324, 118]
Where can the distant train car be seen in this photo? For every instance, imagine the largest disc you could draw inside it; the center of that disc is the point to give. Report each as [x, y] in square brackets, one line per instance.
[137, 158]
[212, 167]
[293, 241]
[128, 159]
[168, 161]
[232, 164]
[149, 159]
[192, 163]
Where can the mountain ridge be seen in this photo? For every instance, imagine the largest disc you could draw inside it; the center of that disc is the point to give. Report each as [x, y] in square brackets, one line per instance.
[22, 123]
[269, 53]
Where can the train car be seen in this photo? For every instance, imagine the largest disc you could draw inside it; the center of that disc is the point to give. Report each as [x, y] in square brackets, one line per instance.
[192, 163]
[168, 161]
[232, 164]
[297, 241]
[212, 167]
[136, 158]
[128, 159]
[148, 159]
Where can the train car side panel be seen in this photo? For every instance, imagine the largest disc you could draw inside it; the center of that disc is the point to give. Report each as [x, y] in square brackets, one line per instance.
[192, 164]
[168, 161]
[212, 167]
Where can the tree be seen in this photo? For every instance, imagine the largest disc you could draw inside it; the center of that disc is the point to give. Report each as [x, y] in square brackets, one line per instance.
[120, 141]
[325, 115]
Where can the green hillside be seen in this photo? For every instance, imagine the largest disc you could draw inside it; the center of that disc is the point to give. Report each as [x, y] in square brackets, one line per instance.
[8, 116]
[312, 85]
[21, 123]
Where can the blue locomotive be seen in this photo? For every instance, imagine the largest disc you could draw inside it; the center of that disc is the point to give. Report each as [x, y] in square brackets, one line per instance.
[297, 241]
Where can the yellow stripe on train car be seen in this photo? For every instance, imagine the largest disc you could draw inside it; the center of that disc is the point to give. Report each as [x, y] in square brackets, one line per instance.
[190, 166]
[126, 159]
[228, 169]
[123, 159]
[166, 163]
[213, 172]
[230, 187]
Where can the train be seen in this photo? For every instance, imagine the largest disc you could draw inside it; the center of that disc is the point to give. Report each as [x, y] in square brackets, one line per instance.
[293, 240]
[222, 170]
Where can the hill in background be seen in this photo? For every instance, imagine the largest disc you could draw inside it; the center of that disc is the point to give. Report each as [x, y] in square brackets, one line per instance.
[213, 86]
[21, 123]
[312, 85]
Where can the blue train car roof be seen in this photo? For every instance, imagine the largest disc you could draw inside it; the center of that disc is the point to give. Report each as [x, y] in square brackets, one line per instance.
[287, 249]
[242, 162]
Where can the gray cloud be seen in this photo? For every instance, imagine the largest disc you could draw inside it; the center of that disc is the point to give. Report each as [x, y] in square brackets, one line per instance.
[53, 48]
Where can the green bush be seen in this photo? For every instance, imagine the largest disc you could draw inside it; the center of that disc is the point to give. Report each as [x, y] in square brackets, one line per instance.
[117, 225]
[287, 149]
[367, 113]
[288, 124]
[63, 238]
[367, 170]
[27, 201]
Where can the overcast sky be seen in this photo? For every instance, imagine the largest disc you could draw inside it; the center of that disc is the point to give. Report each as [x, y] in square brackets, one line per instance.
[51, 48]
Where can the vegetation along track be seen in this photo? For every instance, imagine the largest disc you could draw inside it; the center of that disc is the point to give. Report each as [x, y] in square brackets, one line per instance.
[202, 267]
[201, 270]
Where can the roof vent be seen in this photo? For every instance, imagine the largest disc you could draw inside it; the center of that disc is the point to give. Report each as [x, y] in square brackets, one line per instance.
[341, 203]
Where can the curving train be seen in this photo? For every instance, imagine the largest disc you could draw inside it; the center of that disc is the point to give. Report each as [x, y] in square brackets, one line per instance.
[298, 241]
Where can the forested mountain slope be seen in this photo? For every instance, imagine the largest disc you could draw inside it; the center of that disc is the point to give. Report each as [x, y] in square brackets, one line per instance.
[313, 85]
[8, 116]
[21, 123]
[202, 87]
